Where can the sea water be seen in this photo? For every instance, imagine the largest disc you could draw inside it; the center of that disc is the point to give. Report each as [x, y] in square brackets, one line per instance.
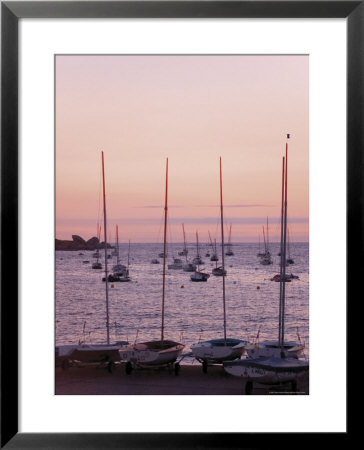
[193, 311]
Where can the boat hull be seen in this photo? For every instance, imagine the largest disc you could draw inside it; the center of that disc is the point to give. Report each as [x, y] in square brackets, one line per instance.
[215, 350]
[267, 370]
[152, 353]
[88, 353]
[272, 349]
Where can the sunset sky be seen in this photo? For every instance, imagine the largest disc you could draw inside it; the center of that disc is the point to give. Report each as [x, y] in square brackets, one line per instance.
[192, 109]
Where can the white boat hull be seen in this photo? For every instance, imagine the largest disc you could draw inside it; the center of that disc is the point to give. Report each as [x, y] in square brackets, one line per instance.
[267, 370]
[293, 350]
[207, 351]
[88, 353]
[145, 354]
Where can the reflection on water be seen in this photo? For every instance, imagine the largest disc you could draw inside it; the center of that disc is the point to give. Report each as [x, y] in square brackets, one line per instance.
[193, 311]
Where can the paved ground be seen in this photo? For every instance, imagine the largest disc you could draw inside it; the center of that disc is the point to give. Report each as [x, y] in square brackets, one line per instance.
[190, 381]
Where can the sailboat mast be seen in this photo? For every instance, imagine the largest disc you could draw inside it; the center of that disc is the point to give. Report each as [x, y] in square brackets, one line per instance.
[117, 245]
[164, 251]
[281, 253]
[265, 245]
[105, 238]
[284, 246]
[267, 235]
[184, 241]
[222, 251]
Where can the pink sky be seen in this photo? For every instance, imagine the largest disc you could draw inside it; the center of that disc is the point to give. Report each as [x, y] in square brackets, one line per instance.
[192, 109]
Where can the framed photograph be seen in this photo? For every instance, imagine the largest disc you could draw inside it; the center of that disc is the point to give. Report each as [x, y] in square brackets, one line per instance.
[143, 139]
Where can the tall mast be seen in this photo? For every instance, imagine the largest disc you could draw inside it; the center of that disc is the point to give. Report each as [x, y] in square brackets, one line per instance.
[281, 262]
[222, 251]
[105, 238]
[164, 251]
[284, 244]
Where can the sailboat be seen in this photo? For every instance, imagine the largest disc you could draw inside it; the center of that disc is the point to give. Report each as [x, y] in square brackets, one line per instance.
[120, 273]
[187, 266]
[229, 251]
[214, 256]
[266, 258]
[197, 260]
[199, 275]
[274, 361]
[184, 252]
[97, 264]
[94, 353]
[290, 260]
[160, 352]
[223, 349]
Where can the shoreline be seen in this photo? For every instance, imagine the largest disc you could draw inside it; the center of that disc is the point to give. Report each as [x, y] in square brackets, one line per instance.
[96, 380]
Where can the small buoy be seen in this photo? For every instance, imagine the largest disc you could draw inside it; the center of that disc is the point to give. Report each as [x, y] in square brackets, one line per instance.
[112, 286]
[182, 286]
[258, 287]
[234, 282]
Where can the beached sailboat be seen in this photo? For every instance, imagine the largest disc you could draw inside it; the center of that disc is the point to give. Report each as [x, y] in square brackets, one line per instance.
[158, 352]
[93, 353]
[223, 349]
[274, 361]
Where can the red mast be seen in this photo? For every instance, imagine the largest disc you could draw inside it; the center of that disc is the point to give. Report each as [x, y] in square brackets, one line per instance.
[164, 251]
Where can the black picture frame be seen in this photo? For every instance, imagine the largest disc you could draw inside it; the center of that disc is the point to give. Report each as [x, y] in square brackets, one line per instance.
[11, 12]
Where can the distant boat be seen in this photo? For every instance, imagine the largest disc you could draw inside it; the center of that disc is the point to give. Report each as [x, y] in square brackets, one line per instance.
[219, 271]
[289, 259]
[184, 252]
[189, 267]
[120, 273]
[197, 260]
[199, 275]
[214, 256]
[177, 264]
[273, 361]
[159, 352]
[266, 258]
[222, 349]
[288, 277]
[229, 251]
[155, 261]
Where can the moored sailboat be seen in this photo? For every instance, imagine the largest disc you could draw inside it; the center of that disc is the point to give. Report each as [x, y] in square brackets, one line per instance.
[222, 349]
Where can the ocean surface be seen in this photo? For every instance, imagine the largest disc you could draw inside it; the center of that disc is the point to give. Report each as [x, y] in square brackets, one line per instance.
[193, 311]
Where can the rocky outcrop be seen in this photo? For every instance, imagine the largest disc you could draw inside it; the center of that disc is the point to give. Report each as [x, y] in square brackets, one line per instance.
[78, 243]
[92, 243]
